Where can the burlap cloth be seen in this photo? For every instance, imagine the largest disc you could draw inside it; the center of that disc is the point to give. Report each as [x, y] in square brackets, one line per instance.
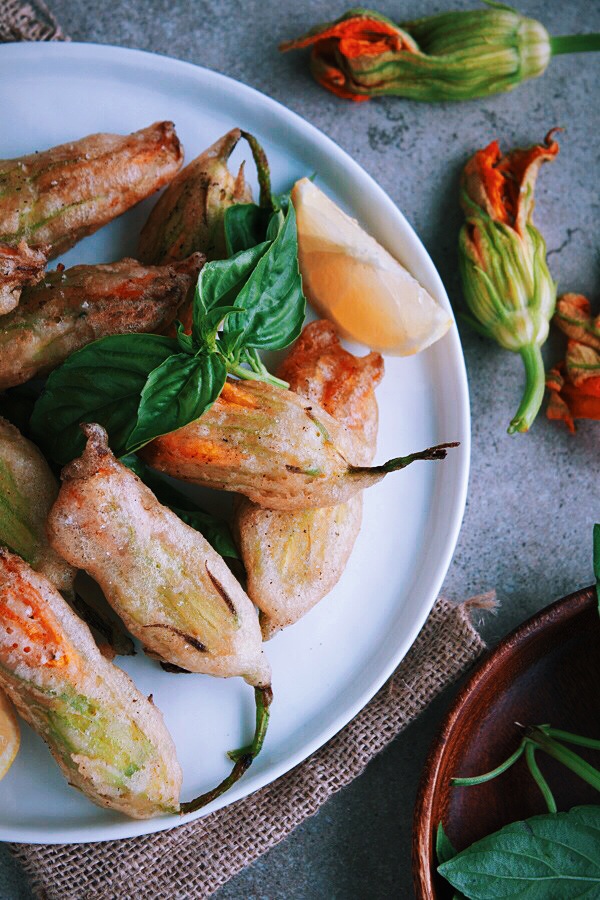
[194, 860]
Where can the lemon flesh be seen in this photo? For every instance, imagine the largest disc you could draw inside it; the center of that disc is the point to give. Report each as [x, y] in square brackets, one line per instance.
[10, 737]
[350, 278]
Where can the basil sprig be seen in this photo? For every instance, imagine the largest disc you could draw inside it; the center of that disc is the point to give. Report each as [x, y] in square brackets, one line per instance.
[552, 855]
[140, 386]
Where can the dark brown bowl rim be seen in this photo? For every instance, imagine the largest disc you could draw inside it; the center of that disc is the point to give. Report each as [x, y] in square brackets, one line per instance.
[423, 828]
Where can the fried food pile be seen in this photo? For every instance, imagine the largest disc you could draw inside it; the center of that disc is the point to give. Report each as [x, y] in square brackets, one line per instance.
[297, 461]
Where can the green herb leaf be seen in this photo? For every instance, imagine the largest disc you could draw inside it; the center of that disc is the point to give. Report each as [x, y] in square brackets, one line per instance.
[176, 392]
[184, 340]
[212, 527]
[245, 226]
[272, 298]
[554, 855]
[219, 285]
[443, 845]
[101, 383]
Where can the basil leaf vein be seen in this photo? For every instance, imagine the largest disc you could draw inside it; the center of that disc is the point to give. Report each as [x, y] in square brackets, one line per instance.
[271, 301]
[553, 855]
[101, 383]
[176, 392]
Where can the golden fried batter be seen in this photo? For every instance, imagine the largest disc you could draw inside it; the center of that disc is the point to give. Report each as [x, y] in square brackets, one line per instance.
[19, 266]
[108, 739]
[189, 214]
[71, 308]
[51, 200]
[27, 491]
[319, 369]
[172, 590]
[293, 559]
[281, 451]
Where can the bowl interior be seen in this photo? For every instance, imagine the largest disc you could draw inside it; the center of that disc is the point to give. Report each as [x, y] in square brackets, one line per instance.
[547, 671]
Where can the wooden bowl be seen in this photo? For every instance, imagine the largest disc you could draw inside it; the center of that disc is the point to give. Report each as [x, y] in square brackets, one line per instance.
[546, 671]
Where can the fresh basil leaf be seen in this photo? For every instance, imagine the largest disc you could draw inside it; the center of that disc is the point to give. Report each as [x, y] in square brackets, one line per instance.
[230, 345]
[219, 284]
[443, 845]
[103, 383]
[176, 393]
[276, 223]
[184, 340]
[245, 226]
[555, 855]
[272, 299]
[213, 528]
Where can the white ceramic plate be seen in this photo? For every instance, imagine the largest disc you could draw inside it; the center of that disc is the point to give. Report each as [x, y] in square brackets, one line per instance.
[326, 667]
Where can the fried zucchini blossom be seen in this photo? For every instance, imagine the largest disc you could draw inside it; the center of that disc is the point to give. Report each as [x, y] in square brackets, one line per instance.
[108, 739]
[506, 282]
[72, 307]
[451, 56]
[574, 384]
[163, 579]
[27, 491]
[275, 447]
[189, 214]
[51, 200]
[294, 558]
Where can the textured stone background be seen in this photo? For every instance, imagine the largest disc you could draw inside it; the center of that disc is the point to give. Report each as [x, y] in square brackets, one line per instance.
[532, 498]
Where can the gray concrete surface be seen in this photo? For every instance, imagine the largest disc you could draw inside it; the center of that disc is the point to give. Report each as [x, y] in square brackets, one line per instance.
[532, 498]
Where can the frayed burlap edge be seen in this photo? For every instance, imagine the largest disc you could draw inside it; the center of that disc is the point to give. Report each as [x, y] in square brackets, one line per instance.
[194, 860]
[31, 21]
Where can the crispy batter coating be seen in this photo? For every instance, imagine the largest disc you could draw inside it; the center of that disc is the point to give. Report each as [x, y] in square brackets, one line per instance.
[172, 590]
[19, 266]
[27, 491]
[72, 307]
[279, 449]
[293, 559]
[51, 200]
[108, 739]
[189, 214]
[60, 195]
[319, 369]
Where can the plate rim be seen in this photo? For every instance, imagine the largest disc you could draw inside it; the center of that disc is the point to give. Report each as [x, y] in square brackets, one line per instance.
[130, 827]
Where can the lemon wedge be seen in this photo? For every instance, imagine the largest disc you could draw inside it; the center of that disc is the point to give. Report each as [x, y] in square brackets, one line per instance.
[10, 737]
[351, 279]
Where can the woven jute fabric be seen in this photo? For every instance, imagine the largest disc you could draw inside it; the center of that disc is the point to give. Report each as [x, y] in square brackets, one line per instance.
[28, 22]
[192, 861]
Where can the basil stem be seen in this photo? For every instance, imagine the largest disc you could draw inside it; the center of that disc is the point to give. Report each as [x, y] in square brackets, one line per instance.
[539, 778]
[567, 757]
[488, 776]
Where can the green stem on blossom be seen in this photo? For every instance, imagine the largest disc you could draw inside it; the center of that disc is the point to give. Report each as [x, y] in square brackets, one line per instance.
[575, 43]
[535, 374]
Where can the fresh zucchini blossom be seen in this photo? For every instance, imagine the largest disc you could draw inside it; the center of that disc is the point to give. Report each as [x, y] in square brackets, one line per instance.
[451, 56]
[506, 281]
[574, 384]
